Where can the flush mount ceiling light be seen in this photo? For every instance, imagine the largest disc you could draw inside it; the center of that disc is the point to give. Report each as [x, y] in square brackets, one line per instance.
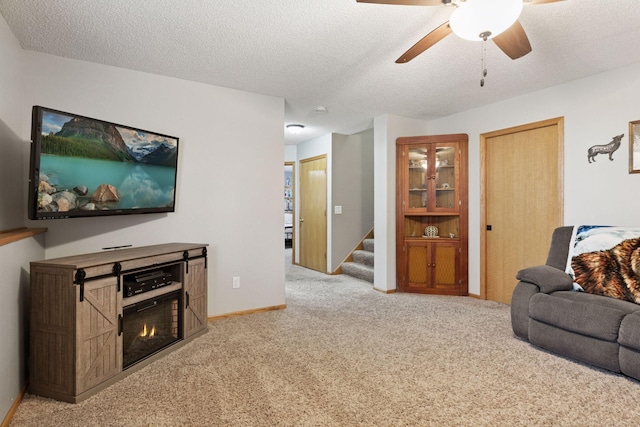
[484, 19]
[295, 129]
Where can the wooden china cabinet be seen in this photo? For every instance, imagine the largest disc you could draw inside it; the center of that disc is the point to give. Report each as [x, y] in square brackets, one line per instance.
[431, 214]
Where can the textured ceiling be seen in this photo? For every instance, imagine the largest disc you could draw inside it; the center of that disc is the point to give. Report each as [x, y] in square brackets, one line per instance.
[334, 53]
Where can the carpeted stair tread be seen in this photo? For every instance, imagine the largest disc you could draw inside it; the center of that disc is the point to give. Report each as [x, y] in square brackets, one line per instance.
[357, 270]
[363, 257]
[368, 245]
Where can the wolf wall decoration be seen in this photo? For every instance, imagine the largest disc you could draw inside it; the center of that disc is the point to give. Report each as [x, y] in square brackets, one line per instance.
[605, 149]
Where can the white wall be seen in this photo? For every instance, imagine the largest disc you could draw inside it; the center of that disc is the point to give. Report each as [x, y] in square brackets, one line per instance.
[352, 177]
[14, 316]
[387, 128]
[290, 153]
[595, 109]
[229, 191]
[12, 203]
[14, 257]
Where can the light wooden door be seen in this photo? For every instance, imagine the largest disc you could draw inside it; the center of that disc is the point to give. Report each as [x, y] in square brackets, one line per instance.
[313, 213]
[522, 198]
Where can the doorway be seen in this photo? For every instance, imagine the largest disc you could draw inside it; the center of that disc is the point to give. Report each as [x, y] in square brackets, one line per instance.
[289, 208]
[312, 222]
[521, 180]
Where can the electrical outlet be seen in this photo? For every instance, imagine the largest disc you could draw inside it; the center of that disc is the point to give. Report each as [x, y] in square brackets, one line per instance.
[236, 282]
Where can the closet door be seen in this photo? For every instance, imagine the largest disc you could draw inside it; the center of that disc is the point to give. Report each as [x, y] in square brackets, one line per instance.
[522, 200]
[313, 213]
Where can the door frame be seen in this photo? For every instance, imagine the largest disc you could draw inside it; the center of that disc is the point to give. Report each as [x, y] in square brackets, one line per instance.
[557, 121]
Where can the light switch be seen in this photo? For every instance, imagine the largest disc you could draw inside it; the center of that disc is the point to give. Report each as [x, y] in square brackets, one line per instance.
[337, 210]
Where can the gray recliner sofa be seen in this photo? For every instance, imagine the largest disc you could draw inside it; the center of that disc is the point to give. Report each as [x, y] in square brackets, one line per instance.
[598, 330]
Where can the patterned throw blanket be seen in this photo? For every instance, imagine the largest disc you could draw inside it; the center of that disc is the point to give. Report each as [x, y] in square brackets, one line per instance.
[605, 260]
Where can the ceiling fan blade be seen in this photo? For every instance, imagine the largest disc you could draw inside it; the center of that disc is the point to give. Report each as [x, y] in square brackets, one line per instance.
[540, 1]
[425, 43]
[405, 2]
[514, 42]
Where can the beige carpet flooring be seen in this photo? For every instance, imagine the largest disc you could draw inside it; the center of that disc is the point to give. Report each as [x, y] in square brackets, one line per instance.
[342, 354]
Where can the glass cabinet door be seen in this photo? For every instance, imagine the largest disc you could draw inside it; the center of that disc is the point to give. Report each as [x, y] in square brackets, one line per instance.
[417, 164]
[446, 177]
[432, 177]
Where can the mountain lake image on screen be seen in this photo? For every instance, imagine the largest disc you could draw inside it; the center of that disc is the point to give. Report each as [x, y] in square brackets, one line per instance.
[89, 167]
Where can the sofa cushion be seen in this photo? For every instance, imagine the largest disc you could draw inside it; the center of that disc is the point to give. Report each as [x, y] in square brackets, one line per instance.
[582, 313]
[629, 335]
[548, 279]
[603, 354]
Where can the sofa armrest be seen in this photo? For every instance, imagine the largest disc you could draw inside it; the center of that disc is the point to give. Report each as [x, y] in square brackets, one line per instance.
[522, 293]
[548, 279]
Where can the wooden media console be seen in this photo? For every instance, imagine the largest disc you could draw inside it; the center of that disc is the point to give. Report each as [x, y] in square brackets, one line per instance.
[77, 309]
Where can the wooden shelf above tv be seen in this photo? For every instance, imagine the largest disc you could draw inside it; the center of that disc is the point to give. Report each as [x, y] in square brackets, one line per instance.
[15, 234]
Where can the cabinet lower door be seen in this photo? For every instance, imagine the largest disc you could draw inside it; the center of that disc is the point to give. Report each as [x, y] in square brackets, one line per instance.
[445, 267]
[418, 267]
[195, 297]
[432, 267]
[99, 347]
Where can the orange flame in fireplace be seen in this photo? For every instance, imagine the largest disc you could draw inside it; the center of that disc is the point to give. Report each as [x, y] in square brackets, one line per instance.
[149, 333]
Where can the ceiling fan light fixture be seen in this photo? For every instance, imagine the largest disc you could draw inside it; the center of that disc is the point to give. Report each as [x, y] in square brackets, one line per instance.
[476, 19]
[295, 128]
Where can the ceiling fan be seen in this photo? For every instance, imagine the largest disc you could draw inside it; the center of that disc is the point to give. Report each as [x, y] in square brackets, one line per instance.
[479, 20]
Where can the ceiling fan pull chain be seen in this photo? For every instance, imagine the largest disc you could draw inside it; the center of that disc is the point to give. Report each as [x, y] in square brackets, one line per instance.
[484, 61]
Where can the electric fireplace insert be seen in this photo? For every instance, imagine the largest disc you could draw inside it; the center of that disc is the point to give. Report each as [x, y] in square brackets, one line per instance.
[150, 325]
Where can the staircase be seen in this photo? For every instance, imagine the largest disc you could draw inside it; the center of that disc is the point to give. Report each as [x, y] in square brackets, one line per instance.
[361, 265]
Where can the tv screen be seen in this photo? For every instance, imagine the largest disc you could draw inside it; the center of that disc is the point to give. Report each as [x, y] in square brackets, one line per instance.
[86, 167]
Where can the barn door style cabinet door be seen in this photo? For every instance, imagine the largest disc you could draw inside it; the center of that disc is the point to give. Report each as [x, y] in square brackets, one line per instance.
[195, 295]
[431, 214]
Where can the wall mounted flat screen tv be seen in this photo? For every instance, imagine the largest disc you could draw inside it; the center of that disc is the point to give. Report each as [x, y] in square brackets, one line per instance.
[86, 167]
